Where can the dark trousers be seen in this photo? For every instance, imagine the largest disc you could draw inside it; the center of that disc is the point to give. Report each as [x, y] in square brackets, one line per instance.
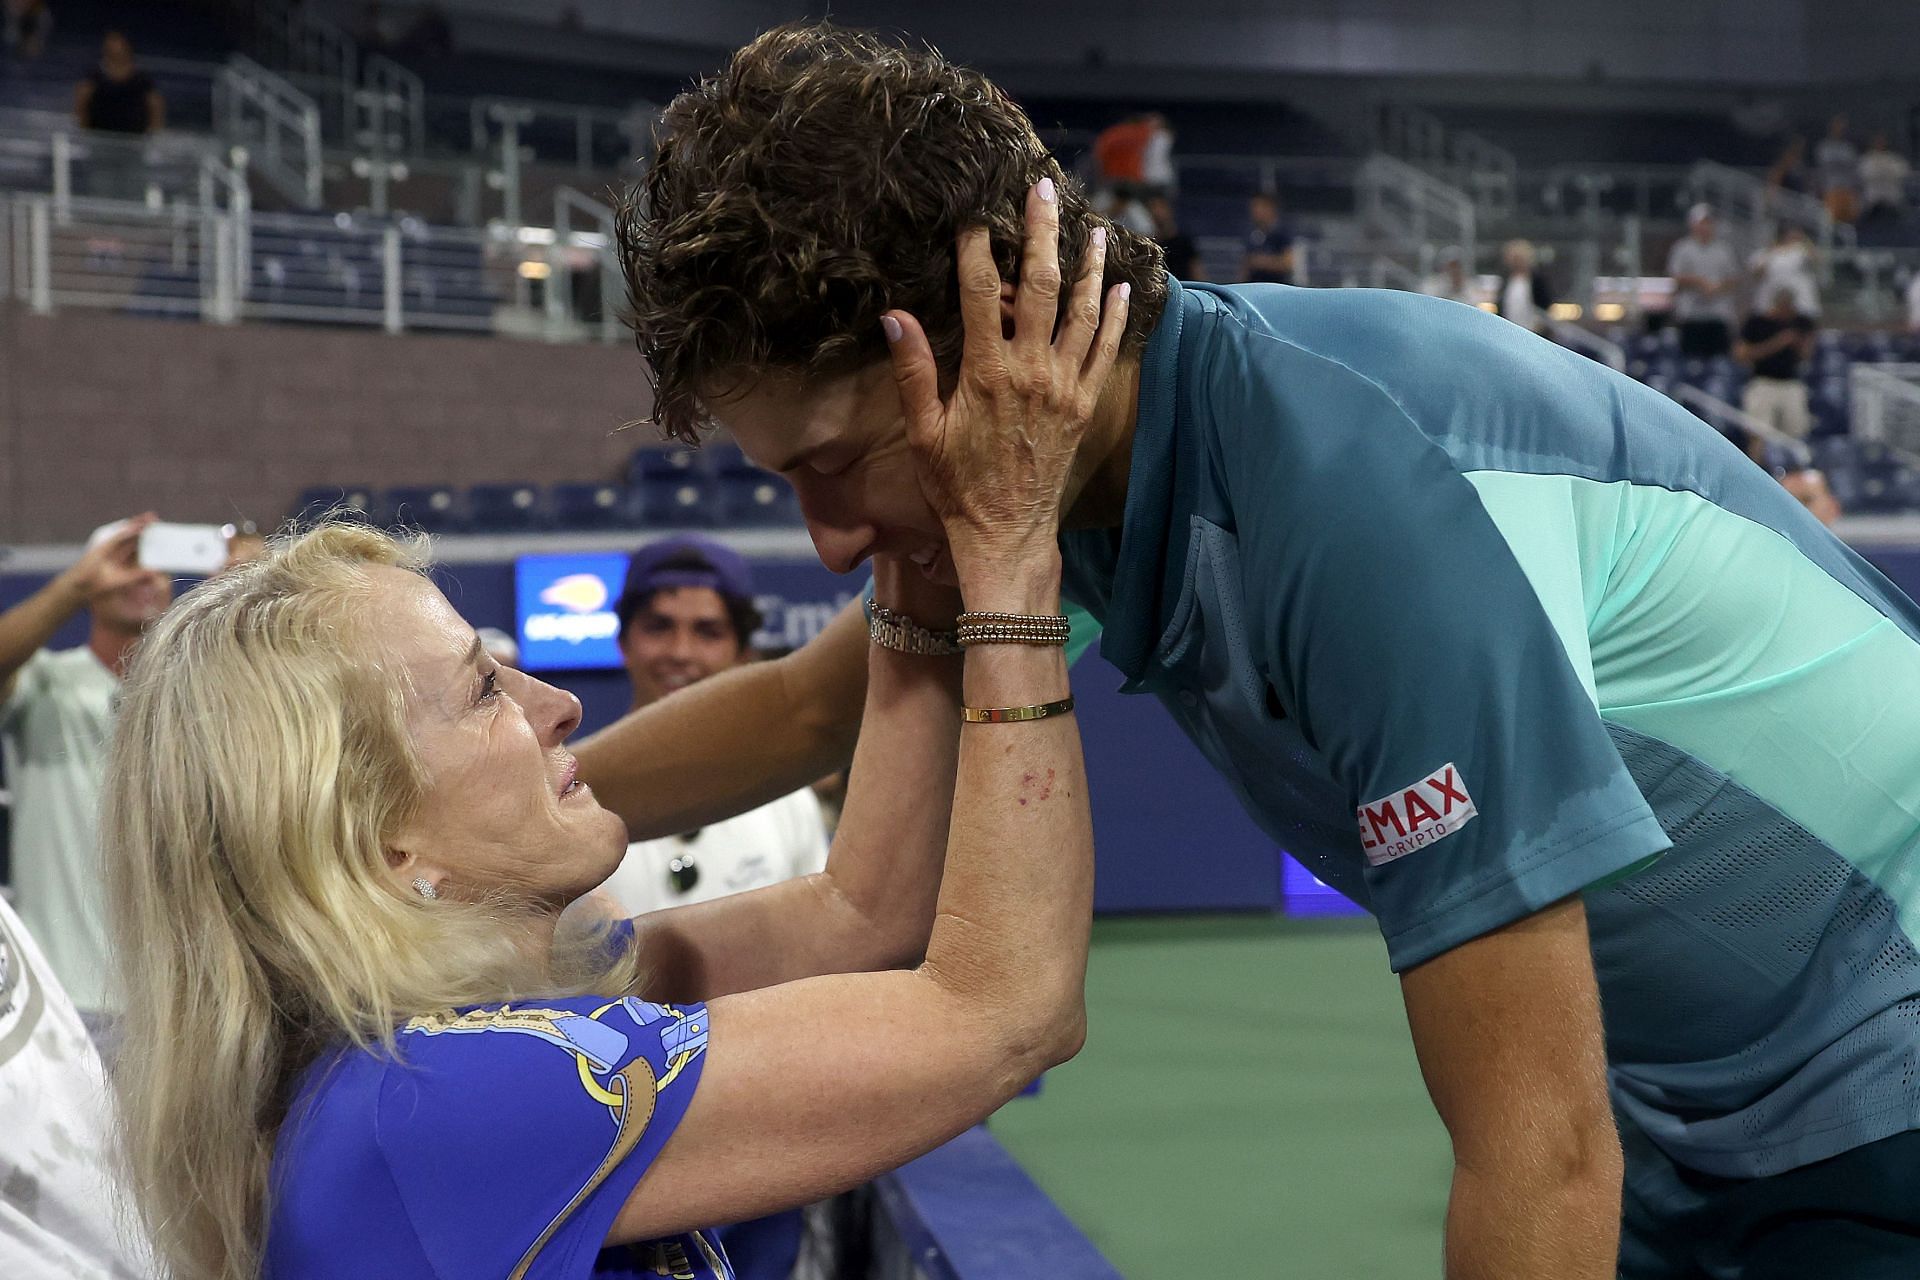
[1853, 1217]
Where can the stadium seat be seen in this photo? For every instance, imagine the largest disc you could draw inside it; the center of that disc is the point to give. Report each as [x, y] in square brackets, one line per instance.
[430, 508]
[661, 463]
[588, 506]
[753, 497]
[505, 508]
[679, 501]
[354, 502]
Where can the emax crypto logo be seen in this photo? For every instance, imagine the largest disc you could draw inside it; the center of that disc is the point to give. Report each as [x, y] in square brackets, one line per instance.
[1413, 817]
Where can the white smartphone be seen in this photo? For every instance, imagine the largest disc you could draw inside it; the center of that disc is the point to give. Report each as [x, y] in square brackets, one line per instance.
[194, 550]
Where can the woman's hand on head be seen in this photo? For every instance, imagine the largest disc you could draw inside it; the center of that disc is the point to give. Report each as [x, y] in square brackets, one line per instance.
[995, 456]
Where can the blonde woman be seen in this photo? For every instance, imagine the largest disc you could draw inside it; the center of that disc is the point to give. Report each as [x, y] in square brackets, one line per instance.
[360, 1040]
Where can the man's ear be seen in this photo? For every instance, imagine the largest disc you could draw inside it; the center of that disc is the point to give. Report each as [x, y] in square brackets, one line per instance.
[1006, 311]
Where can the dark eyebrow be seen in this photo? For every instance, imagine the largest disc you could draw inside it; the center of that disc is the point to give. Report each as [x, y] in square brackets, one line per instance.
[474, 651]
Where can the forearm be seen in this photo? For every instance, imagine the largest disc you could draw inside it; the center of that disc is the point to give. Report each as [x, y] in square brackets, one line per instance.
[1562, 1220]
[872, 907]
[1010, 937]
[736, 741]
[26, 628]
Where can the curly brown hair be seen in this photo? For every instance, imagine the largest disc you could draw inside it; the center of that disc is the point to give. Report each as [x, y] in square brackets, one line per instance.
[818, 181]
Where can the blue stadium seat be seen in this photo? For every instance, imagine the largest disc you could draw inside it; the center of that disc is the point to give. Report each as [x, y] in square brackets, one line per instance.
[657, 463]
[750, 497]
[430, 508]
[679, 501]
[505, 508]
[354, 502]
[588, 506]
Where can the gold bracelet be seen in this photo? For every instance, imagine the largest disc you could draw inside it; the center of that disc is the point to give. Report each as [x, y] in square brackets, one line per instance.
[1014, 715]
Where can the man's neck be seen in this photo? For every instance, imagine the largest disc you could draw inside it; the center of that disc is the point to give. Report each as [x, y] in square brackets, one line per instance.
[112, 647]
[1099, 500]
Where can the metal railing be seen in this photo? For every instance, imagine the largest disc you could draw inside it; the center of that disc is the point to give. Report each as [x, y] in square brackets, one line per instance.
[1751, 211]
[1460, 158]
[1885, 400]
[390, 108]
[589, 130]
[575, 253]
[1412, 208]
[317, 55]
[127, 256]
[278, 126]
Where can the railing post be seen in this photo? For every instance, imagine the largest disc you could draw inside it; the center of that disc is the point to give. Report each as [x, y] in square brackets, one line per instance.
[63, 176]
[390, 278]
[40, 258]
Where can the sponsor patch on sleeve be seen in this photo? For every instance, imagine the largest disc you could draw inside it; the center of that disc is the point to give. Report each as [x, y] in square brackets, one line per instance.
[1414, 817]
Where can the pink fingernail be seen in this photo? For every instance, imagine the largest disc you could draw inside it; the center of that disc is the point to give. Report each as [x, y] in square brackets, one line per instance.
[1046, 189]
[1099, 240]
[1126, 291]
[891, 328]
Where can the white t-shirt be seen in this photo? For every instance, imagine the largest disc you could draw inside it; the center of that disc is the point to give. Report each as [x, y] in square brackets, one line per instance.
[1913, 303]
[778, 841]
[54, 729]
[1713, 262]
[57, 1213]
[1790, 267]
[1883, 177]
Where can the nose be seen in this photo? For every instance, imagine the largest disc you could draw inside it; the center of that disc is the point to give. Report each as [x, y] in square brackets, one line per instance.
[837, 540]
[553, 713]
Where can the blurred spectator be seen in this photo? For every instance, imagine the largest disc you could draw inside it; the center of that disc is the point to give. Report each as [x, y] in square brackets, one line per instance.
[1157, 173]
[687, 613]
[57, 1209]
[1450, 279]
[1883, 182]
[1270, 249]
[1775, 344]
[1705, 274]
[1789, 171]
[1524, 297]
[1790, 262]
[1121, 152]
[1913, 303]
[1809, 485]
[28, 24]
[1838, 161]
[1120, 206]
[56, 710]
[117, 96]
[1183, 256]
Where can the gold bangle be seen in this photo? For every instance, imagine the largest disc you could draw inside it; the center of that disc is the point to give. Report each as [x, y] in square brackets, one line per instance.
[1038, 629]
[1014, 715]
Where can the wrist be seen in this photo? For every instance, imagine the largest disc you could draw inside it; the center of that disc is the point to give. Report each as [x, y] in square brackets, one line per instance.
[1025, 583]
[70, 591]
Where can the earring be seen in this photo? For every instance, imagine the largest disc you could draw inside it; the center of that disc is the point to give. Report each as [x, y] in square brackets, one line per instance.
[424, 887]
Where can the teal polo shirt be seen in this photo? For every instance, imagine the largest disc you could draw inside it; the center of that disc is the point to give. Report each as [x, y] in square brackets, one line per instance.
[1471, 623]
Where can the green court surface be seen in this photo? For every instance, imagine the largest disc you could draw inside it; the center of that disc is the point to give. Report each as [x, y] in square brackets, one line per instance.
[1247, 1105]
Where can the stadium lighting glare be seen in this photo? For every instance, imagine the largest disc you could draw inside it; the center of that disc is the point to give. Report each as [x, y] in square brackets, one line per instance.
[1609, 311]
[1566, 311]
[534, 270]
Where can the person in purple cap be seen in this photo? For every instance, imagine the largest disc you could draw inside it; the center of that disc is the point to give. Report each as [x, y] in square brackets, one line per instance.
[686, 613]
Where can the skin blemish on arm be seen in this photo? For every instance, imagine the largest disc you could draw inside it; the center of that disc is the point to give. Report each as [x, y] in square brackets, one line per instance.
[1035, 787]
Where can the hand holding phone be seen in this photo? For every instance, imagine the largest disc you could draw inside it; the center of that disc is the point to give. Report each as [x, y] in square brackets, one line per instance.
[191, 550]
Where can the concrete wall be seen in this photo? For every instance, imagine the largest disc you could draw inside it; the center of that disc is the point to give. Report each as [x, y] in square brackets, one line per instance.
[103, 415]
